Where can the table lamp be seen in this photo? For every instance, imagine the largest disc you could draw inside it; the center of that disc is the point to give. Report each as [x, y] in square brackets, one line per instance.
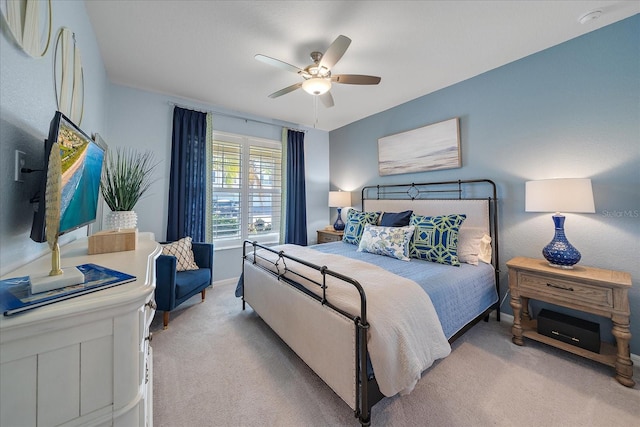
[339, 199]
[560, 195]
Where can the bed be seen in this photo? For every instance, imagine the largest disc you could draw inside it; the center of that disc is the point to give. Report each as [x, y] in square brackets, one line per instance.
[369, 314]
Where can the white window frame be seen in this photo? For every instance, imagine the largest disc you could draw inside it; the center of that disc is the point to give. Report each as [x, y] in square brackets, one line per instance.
[245, 143]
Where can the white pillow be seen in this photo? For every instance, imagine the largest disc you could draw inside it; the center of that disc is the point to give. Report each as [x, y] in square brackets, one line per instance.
[485, 249]
[183, 253]
[388, 241]
[473, 245]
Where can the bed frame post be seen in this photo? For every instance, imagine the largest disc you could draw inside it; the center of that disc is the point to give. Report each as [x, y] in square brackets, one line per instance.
[362, 390]
[244, 256]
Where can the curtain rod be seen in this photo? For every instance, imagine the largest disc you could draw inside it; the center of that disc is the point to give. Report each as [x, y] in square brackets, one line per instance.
[233, 116]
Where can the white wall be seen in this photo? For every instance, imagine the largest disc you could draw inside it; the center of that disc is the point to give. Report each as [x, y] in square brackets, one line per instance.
[27, 105]
[144, 120]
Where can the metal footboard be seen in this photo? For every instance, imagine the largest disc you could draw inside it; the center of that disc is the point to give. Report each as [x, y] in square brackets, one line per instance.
[366, 391]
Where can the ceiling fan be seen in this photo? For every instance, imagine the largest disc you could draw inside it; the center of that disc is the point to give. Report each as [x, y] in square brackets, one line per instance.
[317, 76]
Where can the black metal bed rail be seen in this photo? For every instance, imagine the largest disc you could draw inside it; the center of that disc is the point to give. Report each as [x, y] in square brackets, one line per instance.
[362, 410]
[456, 188]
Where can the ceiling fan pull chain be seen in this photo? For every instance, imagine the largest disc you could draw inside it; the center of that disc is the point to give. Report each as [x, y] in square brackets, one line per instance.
[315, 111]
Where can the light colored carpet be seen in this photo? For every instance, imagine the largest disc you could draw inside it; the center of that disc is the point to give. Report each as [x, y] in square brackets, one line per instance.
[217, 365]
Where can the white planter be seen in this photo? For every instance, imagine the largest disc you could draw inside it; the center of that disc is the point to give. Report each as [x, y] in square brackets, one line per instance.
[121, 219]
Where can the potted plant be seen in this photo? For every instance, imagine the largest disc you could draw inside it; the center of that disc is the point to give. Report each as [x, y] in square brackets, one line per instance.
[126, 177]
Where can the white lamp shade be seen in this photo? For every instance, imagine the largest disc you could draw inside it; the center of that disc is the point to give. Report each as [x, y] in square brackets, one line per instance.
[339, 199]
[316, 85]
[559, 195]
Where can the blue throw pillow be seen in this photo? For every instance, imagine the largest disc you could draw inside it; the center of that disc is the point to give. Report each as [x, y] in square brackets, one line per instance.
[436, 238]
[395, 219]
[354, 226]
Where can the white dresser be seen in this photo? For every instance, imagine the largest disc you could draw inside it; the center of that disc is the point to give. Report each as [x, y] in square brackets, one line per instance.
[85, 361]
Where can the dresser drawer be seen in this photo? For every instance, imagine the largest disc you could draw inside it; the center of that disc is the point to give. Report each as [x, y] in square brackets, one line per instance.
[566, 289]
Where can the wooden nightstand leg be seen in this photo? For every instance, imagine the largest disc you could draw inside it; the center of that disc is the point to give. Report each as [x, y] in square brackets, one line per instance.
[624, 365]
[516, 329]
[525, 308]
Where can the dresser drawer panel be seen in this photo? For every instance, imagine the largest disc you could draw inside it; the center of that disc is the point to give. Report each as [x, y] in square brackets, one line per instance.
[567, 289]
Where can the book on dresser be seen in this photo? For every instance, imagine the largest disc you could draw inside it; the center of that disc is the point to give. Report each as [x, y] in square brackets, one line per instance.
[16, 296]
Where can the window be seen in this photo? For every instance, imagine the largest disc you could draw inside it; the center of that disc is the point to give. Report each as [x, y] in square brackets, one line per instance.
[246, 189]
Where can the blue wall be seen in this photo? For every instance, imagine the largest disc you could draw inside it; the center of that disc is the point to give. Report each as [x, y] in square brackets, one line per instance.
[569, 111]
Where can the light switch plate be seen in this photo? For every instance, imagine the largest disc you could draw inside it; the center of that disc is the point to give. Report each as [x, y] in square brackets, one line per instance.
[21, 159]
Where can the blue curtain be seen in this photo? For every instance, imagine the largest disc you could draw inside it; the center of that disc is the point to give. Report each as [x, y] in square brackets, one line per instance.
[296, 200]
[187, 185]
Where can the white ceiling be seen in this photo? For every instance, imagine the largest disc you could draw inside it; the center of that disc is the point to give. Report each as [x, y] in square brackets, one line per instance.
[204, 50]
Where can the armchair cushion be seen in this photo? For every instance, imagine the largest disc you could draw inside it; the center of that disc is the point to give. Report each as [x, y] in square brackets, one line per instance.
[191, 282]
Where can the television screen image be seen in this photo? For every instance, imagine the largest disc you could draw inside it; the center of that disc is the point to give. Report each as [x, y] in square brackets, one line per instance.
[81, 160]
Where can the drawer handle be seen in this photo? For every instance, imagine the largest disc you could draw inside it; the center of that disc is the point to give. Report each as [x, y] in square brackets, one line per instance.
[152, 304]
[551, 285]
[150, 337]
[565, 336]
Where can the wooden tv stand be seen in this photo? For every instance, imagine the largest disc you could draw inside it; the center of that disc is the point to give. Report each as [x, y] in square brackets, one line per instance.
[86, 360]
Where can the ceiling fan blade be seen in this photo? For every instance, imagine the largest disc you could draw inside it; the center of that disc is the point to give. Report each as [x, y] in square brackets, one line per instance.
[355, 79]
[279, 64]
[286, 90]
[335, 52]
[327, 99]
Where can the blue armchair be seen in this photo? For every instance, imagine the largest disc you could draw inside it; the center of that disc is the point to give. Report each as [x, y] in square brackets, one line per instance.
[175, 287]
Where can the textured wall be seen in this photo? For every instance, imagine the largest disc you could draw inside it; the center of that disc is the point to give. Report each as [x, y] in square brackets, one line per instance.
[569, 111]
[27, 105]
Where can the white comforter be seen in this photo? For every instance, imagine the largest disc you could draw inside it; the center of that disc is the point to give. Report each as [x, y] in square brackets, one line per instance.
[405, 336]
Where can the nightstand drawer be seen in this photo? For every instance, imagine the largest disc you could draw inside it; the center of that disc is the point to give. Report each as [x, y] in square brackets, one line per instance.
[567, 289]
[327, 236]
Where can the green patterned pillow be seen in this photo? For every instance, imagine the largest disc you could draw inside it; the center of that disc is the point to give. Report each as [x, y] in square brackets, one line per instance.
[354, 226]
[388, 241]
[436, 238]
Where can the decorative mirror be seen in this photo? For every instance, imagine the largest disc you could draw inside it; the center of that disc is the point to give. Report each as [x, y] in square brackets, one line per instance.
[29, 23]
[68, 76]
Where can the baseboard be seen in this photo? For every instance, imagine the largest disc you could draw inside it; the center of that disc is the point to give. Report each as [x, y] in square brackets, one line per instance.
[230, 281]
[509, 318]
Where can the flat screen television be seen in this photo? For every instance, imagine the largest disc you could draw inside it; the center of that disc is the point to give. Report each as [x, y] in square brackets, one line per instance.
[81, 160]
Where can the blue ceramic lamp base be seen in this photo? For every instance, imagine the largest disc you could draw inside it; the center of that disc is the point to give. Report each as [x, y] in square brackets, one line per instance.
[339, 224]
[559, 252]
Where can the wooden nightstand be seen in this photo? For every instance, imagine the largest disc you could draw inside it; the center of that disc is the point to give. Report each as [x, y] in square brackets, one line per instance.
[326, 236]
[592, 290]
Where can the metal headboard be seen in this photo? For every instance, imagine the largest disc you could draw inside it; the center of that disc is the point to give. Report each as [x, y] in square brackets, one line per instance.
[476, 189]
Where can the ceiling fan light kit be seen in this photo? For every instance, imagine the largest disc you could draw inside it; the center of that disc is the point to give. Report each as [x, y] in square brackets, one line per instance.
[316, 85]
[317, 76]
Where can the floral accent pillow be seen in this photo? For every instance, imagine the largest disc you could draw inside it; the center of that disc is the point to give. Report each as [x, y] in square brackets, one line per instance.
[435, 238]
[354, 226]
[388, 241]
[181, 249]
